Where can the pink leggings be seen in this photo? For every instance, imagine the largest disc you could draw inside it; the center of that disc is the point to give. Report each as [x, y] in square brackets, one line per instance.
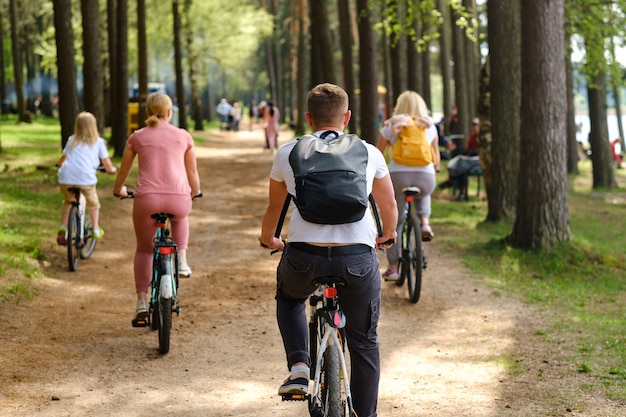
[145, 230]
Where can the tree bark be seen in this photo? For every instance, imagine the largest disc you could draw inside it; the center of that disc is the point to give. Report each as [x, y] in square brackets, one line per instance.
[142, 62]
[445, 56]
[178, 67]
[345, 32]
[501, 181]
[119, 128]
[17, 61]
[601, 159]
[542, 220]
[92, 65]
[572, 144]
[68, 97]
[368, 75]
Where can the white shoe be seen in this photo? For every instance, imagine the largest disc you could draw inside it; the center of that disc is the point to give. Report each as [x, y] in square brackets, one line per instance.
[141, 314]
[183, 269]
[427, 233]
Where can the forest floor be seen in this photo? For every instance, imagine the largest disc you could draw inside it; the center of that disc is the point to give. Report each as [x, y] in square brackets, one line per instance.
[463, 350]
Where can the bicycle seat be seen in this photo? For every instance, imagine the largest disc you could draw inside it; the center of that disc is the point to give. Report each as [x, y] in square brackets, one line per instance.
[329, 280]
[74, 190]
[412, 190]
[162, 216]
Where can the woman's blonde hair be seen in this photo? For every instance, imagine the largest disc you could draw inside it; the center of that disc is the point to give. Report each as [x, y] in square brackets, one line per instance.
[411, 103]
[85, 129]
[157, 106]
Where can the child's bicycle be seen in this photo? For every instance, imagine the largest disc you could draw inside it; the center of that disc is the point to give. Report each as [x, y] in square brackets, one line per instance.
[164, 283]
[412, 257]
[331, 395]
[80, 240]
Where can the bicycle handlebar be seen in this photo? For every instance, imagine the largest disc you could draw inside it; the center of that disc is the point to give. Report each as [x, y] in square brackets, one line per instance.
[131, 194]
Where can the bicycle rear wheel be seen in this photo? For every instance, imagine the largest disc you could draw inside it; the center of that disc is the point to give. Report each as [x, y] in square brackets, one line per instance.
[162, 314]
[89, 243]
[403, 262]
[414, 264]
[74, 238]
[331, 400]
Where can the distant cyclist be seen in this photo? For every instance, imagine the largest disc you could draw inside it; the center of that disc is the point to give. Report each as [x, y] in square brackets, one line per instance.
[84, 152]
[167, 179]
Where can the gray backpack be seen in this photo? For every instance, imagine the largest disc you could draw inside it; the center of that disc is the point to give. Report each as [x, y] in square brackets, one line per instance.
[330, 176]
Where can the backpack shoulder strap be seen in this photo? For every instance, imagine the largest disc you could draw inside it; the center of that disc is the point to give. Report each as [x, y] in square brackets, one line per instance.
[283, 213]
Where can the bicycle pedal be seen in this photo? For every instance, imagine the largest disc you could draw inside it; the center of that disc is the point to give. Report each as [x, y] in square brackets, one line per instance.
[295, 397]
[140, 323]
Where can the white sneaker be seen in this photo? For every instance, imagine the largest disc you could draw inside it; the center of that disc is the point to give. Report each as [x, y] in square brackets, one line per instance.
[427, 233]
[183, 269]
[141, 314]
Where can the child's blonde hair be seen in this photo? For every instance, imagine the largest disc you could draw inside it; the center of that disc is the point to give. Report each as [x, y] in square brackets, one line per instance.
[411, 103]
[157, 106]
[85, 129]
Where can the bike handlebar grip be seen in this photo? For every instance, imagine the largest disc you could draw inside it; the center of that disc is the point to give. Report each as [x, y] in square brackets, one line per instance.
[197, 196]
[389, 242]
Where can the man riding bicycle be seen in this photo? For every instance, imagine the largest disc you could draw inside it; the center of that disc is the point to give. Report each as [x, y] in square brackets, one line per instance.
[345, 250]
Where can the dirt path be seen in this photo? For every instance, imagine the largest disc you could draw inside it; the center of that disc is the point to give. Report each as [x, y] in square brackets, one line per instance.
[462, 351]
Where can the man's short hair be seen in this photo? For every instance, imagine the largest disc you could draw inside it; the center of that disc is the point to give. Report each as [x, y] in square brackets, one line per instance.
[327, 103]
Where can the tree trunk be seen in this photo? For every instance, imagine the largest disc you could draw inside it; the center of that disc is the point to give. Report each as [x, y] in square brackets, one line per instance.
[542, 220]
[142, 63]
[345, 31]
[445, 56]
[119, 128]
[302, 67]
[601, 159]
[395, 59]
[68, 98]
[16, 52]
[461, 95]
[368, 75]
[192, 57]
[92, 65]
[178, 67]
[110, 115]
[572, 144]
[501, 181]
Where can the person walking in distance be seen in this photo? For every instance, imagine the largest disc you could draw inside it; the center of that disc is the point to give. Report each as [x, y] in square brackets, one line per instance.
[349, 251]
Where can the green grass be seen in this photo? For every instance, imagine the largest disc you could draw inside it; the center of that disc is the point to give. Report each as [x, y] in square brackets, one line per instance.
[581, 286]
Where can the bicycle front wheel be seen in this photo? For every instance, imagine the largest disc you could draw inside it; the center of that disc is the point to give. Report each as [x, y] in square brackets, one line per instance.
[414, 264]
[89, 243]
[74, 238]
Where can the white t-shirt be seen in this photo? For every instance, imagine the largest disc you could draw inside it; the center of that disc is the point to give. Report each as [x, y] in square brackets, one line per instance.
[82, 162]
[388, 133]
[363, 231]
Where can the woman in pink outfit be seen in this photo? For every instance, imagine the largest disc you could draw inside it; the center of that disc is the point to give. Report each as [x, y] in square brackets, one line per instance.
[271, 119]
[167, 180]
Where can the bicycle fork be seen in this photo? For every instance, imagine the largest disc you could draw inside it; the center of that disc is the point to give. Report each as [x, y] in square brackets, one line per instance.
[330, 338]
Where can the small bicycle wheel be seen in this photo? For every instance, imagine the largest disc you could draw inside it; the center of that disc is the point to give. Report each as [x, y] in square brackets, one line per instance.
[74, 238]
[414, 264]
[330, 400]
[89, 243]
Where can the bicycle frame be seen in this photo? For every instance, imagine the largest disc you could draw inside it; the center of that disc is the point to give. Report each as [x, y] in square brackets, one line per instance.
[164, 245]
[331, 319]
